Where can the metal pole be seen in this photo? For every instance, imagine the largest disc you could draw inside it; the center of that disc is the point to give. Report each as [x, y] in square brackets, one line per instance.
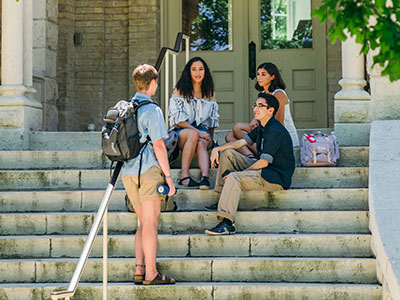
[92, 235]
[173, 70]
[105, 254]
[187, 49]
[166, 87]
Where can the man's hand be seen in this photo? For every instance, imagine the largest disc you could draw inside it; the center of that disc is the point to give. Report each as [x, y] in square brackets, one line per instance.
[214, 157]
[253, 124]
[171, 186]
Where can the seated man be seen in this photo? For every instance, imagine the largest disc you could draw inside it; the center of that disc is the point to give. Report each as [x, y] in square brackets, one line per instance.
[271, 172]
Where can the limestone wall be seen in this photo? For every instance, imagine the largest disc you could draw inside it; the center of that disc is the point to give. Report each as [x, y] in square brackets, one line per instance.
[384, 204]
[94, 75]
[65, 61]
[45, 46]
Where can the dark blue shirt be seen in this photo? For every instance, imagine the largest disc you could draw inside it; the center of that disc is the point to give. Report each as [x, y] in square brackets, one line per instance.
[274, 144]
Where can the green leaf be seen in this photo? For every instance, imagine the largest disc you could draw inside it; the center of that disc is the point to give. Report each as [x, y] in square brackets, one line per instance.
[354, 15]
[380, 3]
[320, 12]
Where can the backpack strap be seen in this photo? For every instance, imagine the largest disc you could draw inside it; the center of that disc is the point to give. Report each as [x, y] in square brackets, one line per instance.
[139, 105]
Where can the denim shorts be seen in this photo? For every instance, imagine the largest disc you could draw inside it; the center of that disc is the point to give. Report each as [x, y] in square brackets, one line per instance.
[199, 127]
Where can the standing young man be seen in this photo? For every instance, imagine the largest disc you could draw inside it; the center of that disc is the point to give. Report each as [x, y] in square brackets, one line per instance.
[154, 171]
[272, 171]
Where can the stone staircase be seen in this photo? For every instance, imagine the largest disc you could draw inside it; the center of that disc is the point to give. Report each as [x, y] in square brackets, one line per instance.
[310, 242]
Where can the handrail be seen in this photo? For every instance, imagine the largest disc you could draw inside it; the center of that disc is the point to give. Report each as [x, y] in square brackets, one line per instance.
[165, 51]
[179, 37]
[101, 216]
[101, 213]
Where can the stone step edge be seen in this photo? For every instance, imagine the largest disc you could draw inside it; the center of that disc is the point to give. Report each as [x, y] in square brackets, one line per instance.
[172, 169]
[65, 213]
[33, 236]
[199, 283]
[199, 258]
[178, 189]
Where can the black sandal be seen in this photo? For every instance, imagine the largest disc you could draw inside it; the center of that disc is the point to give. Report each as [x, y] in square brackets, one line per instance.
[204, 183]
[160, 279]
[191, 183]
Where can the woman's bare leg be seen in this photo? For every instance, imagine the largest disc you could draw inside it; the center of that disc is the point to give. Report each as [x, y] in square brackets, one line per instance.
[239, 130]
[187, 142]
[202, 156]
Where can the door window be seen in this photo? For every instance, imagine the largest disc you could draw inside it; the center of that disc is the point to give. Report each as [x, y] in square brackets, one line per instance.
[285, 24]
[208, 23]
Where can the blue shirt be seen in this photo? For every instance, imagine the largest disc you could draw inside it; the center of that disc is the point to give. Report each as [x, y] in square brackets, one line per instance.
[274, 144]
[151, 124]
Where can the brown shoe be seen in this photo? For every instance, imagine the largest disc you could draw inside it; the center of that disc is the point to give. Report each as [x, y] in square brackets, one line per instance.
[160, 279]
[138, 278]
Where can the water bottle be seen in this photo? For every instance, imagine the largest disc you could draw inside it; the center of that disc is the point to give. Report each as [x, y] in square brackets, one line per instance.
[163, 189]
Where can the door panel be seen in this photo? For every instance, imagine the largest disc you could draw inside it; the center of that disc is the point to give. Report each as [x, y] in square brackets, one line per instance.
[303, 70]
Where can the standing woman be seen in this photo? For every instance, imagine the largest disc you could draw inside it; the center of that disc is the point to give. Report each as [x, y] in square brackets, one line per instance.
[193, 113]
[269, 81]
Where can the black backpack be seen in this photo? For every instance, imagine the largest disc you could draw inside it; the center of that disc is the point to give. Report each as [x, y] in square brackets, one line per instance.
[120, 133]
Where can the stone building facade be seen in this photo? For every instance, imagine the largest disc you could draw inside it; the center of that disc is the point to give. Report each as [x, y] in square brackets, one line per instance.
[95, 72]
[84, 52]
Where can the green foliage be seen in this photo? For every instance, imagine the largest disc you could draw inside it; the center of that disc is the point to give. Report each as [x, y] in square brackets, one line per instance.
[210, 29]
[357, 16]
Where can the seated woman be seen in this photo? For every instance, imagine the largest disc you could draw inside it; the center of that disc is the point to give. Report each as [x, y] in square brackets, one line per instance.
[193, 113]
[269, 81]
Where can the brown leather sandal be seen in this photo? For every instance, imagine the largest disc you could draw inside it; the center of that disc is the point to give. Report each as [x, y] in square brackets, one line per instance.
[160, 279]
[138, 278]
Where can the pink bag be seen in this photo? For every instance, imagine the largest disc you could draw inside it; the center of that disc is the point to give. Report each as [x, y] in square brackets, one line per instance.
[317, 150]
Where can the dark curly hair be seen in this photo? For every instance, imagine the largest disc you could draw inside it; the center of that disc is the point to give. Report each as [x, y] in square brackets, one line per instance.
[276, 83]
[185, 84]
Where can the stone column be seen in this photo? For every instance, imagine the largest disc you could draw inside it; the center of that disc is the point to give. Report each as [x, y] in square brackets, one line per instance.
[352, 102]
[18, 113]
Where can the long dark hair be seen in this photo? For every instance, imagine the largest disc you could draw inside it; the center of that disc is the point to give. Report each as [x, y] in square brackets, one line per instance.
[185, 84]
[276, 83]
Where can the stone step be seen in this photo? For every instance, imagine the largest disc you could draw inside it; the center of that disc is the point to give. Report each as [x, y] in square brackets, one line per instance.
[203, 269]
[195, 245]
[322, 177]
[199, 291]
[89, 200]
[94, 159]
[74, 140]
[190, 222]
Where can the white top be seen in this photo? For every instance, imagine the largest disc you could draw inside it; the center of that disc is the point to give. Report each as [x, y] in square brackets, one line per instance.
[288, 121]
[201, 111]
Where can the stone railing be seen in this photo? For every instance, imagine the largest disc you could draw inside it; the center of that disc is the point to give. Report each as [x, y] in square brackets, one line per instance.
[384, 203]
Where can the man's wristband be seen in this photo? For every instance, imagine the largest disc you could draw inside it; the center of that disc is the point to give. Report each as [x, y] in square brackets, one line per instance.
[167, 176]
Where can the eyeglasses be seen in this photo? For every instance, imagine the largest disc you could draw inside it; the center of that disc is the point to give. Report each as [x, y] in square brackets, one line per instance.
[260, 105]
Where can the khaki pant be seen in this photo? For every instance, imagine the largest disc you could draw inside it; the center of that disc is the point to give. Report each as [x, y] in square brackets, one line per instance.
[149, 181]
[238, 181]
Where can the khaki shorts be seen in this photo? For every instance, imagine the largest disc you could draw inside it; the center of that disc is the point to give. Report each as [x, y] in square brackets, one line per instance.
[149, 181]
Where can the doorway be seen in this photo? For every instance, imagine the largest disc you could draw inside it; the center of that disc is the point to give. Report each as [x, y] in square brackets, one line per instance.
[235, 36]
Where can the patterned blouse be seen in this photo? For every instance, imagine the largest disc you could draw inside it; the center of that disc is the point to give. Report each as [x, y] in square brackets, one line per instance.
[201, 111]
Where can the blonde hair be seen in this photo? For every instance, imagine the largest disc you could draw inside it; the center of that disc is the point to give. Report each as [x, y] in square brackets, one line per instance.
[143, 75]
